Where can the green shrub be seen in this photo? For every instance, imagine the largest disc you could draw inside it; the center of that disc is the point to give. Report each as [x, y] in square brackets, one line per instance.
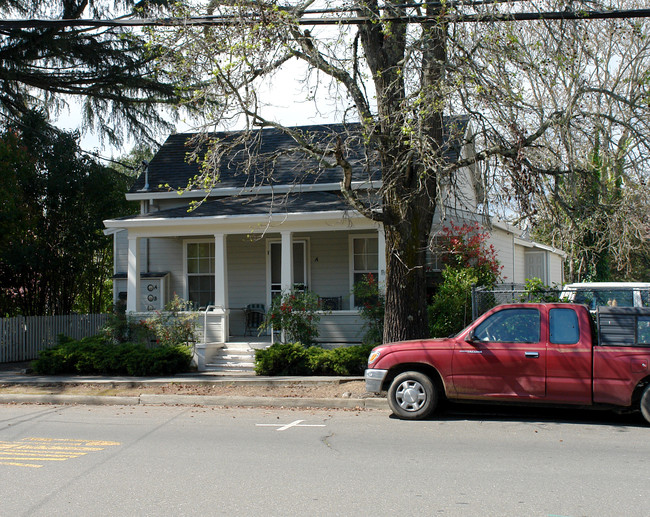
[469, 260]
[294, 359]
[282, 359]
[451, 307]
[537, 291]
[95, 356]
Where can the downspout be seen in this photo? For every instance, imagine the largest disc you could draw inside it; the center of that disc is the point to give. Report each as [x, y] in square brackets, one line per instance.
[146, 209]
[514, 257]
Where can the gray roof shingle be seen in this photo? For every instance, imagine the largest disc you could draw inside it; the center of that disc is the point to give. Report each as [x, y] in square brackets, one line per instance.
[261, 204]
[170, 168]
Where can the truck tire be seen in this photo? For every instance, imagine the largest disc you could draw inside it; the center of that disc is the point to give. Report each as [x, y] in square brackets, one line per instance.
[645, 403]
[412, 396]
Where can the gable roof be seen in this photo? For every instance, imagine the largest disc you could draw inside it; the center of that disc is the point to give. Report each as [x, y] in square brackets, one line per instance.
[268, 149]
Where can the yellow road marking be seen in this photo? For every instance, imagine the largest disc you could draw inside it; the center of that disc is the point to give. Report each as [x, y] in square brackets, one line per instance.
[47, 449]
[11, 464]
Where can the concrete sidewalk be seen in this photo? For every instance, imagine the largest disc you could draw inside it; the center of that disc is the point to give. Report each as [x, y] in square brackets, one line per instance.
[15, 375]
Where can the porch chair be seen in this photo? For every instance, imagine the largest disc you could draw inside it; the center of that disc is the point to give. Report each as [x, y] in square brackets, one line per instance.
[254, 317]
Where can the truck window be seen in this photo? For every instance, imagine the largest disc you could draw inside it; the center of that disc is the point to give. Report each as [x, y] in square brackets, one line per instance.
[593, 298]
[563, 327]
[643, 330]
[510, 326]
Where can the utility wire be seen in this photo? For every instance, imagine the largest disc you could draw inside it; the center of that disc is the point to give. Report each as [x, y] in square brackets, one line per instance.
[227, 20]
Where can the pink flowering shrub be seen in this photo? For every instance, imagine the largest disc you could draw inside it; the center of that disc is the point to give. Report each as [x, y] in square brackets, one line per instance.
[295, 314]
[469, 261]
[466, 247]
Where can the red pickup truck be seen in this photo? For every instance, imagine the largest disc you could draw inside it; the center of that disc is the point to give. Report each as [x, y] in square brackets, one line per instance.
[539, 353]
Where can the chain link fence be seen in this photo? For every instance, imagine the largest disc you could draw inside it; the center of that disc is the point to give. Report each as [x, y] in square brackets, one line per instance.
[483, 298]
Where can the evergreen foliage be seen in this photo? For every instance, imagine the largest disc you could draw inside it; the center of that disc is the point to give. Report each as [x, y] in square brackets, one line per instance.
[54, 257]
[110, 70]
[96, 356]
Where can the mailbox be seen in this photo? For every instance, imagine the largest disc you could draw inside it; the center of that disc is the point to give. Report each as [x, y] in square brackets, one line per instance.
[154, 290]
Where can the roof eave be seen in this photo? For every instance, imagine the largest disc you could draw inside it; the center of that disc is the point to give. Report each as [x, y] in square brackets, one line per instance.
[141, 195]
[242, 220]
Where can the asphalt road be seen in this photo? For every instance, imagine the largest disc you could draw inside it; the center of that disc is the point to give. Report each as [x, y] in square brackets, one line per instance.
[164, 460]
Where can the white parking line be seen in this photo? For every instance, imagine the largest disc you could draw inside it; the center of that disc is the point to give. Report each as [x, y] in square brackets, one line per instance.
[284, 427]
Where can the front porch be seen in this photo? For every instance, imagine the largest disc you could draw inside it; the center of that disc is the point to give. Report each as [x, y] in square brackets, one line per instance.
[219, 349]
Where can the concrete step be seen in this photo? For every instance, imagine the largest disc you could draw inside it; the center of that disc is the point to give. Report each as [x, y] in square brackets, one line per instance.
[233, 358]
[232, 363]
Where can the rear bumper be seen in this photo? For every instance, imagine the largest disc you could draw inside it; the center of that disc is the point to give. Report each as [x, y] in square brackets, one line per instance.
[374, 379]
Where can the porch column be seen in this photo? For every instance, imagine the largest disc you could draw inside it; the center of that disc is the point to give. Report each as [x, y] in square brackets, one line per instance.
[381, 258]
[220, 271]
[133, 275]
[286, 278]
[221, 284]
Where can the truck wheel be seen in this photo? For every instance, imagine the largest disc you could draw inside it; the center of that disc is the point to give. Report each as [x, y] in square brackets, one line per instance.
[412, 396]
[645, 403]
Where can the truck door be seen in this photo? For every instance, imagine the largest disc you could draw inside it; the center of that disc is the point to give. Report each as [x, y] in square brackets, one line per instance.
[568, 361]
[504, 358]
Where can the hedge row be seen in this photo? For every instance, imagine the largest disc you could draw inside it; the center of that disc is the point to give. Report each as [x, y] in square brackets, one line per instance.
[93, 356]
[295, 359]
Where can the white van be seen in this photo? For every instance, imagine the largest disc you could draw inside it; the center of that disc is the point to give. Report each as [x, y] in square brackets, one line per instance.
[613, 294]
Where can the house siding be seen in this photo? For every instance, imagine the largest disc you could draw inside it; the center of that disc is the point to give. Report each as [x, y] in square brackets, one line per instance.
[518, 275]
[556, 269]
[330, 265]
[502, 242]
[166, 255]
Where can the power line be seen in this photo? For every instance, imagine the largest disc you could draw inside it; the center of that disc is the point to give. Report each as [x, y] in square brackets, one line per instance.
[228, 20]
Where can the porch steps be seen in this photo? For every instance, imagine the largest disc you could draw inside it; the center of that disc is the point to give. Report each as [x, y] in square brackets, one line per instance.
[233, 358]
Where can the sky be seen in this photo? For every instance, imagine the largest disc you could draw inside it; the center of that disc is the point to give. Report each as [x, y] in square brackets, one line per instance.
[286, 99]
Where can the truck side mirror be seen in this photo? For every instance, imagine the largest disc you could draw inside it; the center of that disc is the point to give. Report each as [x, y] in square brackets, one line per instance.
[470, 337]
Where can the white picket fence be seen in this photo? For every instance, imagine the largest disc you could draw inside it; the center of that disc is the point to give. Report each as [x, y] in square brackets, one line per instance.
[21, 338]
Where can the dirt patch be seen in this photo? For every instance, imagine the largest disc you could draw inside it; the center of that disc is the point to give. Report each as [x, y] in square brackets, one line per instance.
[351, 389]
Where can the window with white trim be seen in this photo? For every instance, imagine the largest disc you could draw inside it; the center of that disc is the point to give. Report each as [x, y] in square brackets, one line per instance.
[365, 260]
[200, 273]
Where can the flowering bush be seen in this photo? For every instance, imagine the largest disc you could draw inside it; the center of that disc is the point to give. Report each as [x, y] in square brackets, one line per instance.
[470, 261]
[466, 247]
[121, 328]
[294, 313]
[175, 325]
[371, 305]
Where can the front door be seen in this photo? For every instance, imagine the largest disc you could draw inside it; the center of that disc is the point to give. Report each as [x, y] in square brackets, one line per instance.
[506, 358]
[299, 280]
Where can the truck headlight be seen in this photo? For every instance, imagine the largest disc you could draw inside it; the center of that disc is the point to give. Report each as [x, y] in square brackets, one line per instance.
[374, 355]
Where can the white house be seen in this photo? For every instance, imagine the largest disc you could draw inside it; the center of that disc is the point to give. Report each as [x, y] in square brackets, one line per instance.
[254, 237]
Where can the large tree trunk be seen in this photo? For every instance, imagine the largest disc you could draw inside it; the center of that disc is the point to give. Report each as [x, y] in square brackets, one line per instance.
[409, 181]
[406, 303]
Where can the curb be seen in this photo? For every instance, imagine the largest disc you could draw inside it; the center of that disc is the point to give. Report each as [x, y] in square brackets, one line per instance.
[196, 400]
[94, 400]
